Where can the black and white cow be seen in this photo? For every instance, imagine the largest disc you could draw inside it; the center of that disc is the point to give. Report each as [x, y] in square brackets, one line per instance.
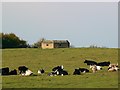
[24, 71]
[103, 64]
[41, 71]
[58, 71]
[77, 72]
[89, 62]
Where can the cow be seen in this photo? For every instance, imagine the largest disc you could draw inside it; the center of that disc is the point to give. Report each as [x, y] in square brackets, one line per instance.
[13, 72]
[58, 70]
[89, 62]
[22, 69]
[77, 72]
[80, 70]
[103, 64]
[4, 71]
[41, 71]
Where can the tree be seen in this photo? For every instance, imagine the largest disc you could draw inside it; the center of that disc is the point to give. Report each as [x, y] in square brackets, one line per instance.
[12, 41]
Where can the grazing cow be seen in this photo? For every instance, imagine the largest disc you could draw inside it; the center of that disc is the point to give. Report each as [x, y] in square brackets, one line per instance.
[13, 72]
[41, 71]
[94, 68]
[89, 62]
[76, 72]
[22, 69]
[4, 71]
[103, 64]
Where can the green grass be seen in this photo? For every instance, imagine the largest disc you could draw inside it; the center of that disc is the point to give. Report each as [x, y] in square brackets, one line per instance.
[70, 58]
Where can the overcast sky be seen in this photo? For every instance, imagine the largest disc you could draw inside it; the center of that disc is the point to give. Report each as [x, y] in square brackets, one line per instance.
[82, 23]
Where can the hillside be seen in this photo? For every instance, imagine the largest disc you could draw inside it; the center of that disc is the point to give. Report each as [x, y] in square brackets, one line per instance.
[70, 58]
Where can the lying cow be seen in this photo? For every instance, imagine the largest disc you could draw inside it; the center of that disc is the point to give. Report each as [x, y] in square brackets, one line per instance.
[24, 71]
[80, 70]
[77, 72]
[58, 71]
[89, 62]
[41, 71]
[103, 64]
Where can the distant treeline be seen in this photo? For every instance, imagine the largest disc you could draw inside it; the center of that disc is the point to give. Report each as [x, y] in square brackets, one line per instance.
[11, 41]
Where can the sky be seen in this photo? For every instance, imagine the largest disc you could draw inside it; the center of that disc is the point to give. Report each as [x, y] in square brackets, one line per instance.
[82, 23]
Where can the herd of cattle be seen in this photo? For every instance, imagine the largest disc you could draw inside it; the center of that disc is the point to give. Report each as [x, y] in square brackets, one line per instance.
[59, 70]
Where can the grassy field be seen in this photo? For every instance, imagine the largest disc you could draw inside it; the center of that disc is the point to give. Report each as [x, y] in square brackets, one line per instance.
[70, 58]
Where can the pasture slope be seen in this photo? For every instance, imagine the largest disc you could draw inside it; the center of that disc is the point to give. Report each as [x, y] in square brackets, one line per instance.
[70, 58]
